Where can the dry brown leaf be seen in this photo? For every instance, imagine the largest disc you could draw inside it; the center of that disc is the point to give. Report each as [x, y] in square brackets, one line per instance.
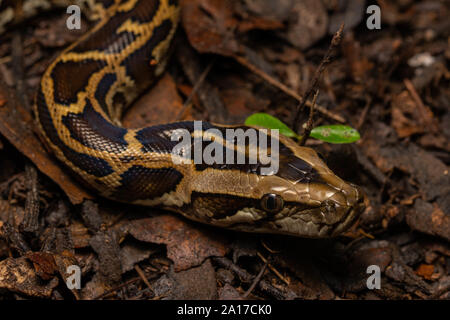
[406, 118]
[17, 125]
[188, 245]
[44, 264]
[160, 105]
[209, 25]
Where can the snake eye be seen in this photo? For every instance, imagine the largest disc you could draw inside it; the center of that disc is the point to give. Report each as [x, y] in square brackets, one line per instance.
[272, 203]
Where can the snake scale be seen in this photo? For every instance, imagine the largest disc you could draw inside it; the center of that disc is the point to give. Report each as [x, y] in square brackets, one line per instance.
[78, 109]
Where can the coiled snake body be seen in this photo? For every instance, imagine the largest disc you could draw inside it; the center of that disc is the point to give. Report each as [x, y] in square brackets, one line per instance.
[78, 108]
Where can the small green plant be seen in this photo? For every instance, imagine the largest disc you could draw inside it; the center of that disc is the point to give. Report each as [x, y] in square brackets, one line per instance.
[335, 133]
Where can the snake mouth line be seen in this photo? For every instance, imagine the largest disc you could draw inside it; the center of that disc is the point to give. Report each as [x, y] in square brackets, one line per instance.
[350, 218]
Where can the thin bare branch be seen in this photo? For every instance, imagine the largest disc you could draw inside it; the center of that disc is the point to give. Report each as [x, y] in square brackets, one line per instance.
[277, 84]
[310, 123]
[197, 85]
[314, 83]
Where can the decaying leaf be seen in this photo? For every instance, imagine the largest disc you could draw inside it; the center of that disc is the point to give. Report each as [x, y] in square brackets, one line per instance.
[16, 124]
[407, 119]
[160, 105]
[209, 26]
[188, 245]
[195, 283]
[44, 264]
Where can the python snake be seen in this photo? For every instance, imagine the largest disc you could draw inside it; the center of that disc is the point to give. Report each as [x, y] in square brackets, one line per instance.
[78, 109]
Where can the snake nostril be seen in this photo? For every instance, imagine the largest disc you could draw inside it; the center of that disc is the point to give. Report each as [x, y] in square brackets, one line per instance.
[329, 206]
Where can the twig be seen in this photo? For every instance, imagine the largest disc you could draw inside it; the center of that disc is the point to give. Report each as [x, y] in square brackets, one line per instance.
[362, 119]
[313, 85]
[273, 269]
[366, 234]
[120, 286]
[257, 279]
[197, 85]
[268, 248]
[285, 89]
[310, 123]
[246, 277]
[30, 222]
[143, 277]
[425, 119]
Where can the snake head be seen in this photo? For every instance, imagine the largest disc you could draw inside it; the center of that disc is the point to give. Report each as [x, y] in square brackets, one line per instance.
[313, 204]
[303, 198]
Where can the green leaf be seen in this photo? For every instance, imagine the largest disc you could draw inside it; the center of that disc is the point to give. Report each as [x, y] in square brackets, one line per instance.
[267, 121]
[335, 133]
